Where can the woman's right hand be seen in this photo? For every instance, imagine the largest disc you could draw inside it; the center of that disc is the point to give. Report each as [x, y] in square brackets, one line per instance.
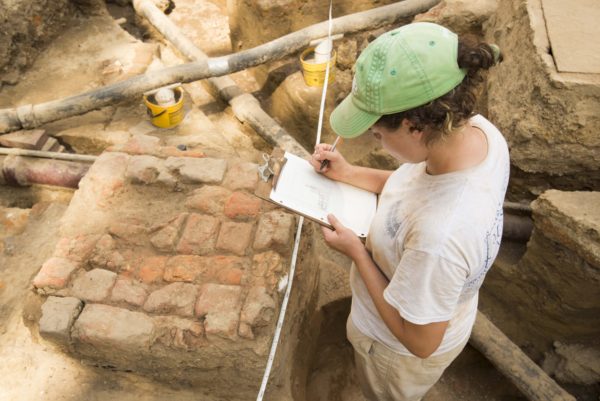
[337, 168]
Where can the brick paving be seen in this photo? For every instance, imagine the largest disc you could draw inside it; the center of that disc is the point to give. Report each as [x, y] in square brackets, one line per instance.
[167, 262]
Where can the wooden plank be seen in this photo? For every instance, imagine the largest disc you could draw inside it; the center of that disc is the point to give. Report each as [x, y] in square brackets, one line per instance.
[574, 31]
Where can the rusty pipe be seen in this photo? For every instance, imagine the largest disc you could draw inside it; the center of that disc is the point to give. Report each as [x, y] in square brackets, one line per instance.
[24, 171]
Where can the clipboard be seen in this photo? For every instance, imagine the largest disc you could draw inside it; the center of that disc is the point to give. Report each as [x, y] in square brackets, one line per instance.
[291, 182]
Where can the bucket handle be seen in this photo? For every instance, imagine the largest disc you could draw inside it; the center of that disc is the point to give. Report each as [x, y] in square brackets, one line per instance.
[155, 115]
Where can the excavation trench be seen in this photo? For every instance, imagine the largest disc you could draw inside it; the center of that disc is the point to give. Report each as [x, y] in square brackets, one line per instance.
[491, 367]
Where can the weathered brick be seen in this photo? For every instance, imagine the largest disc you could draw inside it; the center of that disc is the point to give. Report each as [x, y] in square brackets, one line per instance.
[105, 255]
[173, 151]
[242, 176]
[166, 237]
[167, 179]
[259, 307]
[220, 306]
[129, 291]
[78, 248]
[176, 298]
[184, 268]
[266, 270]
[94, 286]
[129, 229]
[58, 315]
[207, 269]
[242, 206]
[199, 235]
[106, 177]
[234, 237]
[152, 269]
[143, 169]
[178, 333]
[54, 274]
[24, 139]
[224, 269]
[208, 199]
[274, 231]
[139, 144]
[119, 329]
[198, 170]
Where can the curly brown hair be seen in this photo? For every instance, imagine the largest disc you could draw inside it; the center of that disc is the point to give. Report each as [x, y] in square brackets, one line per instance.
[445, 114]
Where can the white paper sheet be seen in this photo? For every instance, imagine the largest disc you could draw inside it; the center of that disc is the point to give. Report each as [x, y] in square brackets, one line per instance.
[301, 189]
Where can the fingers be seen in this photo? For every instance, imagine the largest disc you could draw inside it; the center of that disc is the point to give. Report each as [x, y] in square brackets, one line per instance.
[334, 222]
[328, 234]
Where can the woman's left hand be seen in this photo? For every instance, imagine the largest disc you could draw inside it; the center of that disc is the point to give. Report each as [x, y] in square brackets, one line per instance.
[342, 239]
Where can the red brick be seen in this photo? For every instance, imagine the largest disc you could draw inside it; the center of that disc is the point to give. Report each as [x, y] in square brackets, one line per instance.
[152, 269]
[242, 176]
[208, 199]
[207, 269]
[235, 237]
[224, 269]
[242, 206]
[184, 268]
[199, 235]
[54, 274]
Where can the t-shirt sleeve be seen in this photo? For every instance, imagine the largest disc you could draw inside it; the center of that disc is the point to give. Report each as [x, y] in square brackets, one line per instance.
[425, 288]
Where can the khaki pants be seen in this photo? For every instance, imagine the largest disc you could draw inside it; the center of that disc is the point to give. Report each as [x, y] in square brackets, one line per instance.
[385, 375]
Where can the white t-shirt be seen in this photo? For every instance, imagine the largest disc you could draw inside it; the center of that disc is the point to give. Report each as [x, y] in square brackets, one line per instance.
[435, 237]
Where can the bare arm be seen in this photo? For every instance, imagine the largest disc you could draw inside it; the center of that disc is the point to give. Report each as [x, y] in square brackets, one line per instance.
[340, 170]
[421, 340]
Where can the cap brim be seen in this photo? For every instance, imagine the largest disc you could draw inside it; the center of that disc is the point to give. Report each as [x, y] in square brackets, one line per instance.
[348, 121]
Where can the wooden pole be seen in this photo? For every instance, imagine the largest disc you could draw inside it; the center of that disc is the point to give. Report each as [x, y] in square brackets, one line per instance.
[508, 358]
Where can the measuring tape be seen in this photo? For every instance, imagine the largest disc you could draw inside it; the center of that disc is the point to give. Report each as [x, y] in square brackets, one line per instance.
[288, 290]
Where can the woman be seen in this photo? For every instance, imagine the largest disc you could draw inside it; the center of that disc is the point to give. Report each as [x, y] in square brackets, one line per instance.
[439, 220]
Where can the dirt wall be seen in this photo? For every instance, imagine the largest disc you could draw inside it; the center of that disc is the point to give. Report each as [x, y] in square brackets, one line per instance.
[553, 293]
[550, 119]
[26, 26]
[253, 22]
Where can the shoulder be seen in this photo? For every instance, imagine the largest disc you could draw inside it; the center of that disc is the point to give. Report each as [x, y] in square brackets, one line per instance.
[447, 228]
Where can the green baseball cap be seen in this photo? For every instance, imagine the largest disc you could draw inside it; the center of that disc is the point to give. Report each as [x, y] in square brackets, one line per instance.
[400, 70]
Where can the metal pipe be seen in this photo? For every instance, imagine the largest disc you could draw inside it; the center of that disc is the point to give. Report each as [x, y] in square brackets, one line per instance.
[22, 171]
[31, 116]
[245, 106]
[517, 227]
[47, 155]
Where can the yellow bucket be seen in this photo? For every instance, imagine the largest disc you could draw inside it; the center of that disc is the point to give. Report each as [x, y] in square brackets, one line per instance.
[165, 117]
[314, 74]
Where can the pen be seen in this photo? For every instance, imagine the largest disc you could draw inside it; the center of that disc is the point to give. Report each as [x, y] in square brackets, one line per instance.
[325, 162]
